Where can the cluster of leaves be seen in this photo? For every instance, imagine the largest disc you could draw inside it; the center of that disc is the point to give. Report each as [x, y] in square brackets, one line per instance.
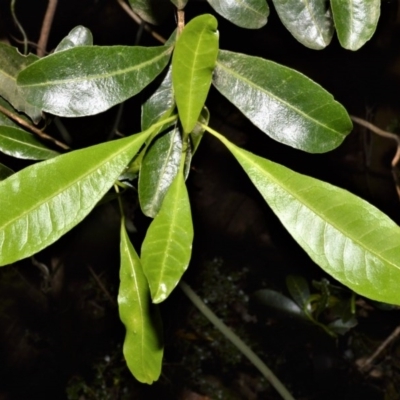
[349, 238]
[331, 308]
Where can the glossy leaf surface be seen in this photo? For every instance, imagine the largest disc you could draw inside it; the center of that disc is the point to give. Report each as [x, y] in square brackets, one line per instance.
[355, 21]
[252, 14]
[79, 36]
[167, 247]
[151, 10]
[159, 102]
[5, 172]
[346, 236]
[193, 62]
[21, 144]
[12, 62]
[87, 80]
[143, 348]
[44, 201]
[309, 21]
[275, 301]
[283, 103]
[159, 168]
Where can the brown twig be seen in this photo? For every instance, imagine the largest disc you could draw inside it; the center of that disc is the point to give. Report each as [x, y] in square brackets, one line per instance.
[46, 27]
[101, 286]
[382, 133]
[367, 365]
[32, 128]
[139, 21]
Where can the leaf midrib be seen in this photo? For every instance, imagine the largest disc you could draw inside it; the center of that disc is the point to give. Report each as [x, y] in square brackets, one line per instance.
[279, 183]
[65, 188]
[279, 100]
[95, 77]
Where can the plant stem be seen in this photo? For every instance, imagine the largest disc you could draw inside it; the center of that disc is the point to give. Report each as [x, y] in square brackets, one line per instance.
[32, 128]
[237, 342]
[46, 27]
[21, 29]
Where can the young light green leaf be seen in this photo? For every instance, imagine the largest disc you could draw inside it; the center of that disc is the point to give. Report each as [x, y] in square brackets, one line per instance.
[251, 14]
[12, 62]
[44, 201]
[167, 246]
[159, 102]
[179, 4]
[193, 62]
[298, 289]
[143, 347]
[159, 168]
[152, 11]
[309, 21]
[21, 144]
[197, 133]
[355, 21]
[346, 236]
[87, 80]
[79, 36]
[5, 172]
[283, 103]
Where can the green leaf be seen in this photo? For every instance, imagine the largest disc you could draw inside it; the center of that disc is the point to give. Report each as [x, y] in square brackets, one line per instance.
[79, 36]
[87, 80]
[5, 172]
[355, 21]
[346, 236]
[179, 4]
[283, 103]
[167, 247]
[159, 168]
[193, 62]
[12, 62]
[152, 11]
[157, 105]
[197, 133]
[44, 201]
[21, 144]
[278, 302]
[309, 21]
[298, 289]
[251, 14]
[5, 121]
[143, 348]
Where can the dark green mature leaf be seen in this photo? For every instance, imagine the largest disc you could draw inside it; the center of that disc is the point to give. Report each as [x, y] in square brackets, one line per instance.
[5, 172]
[159, 102]
[309, 21]
[355, 21]
[79, 36]
[87, 80]
[193, 62]
[143, 348]
[179, 4]
[44, 201]
[152, 11]
[159, 168]
[12, 62]
[346, 236]
[283, 103]
[167, 247]
[279, 303]
[252, 14]
[298, 289]
[21, 144]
